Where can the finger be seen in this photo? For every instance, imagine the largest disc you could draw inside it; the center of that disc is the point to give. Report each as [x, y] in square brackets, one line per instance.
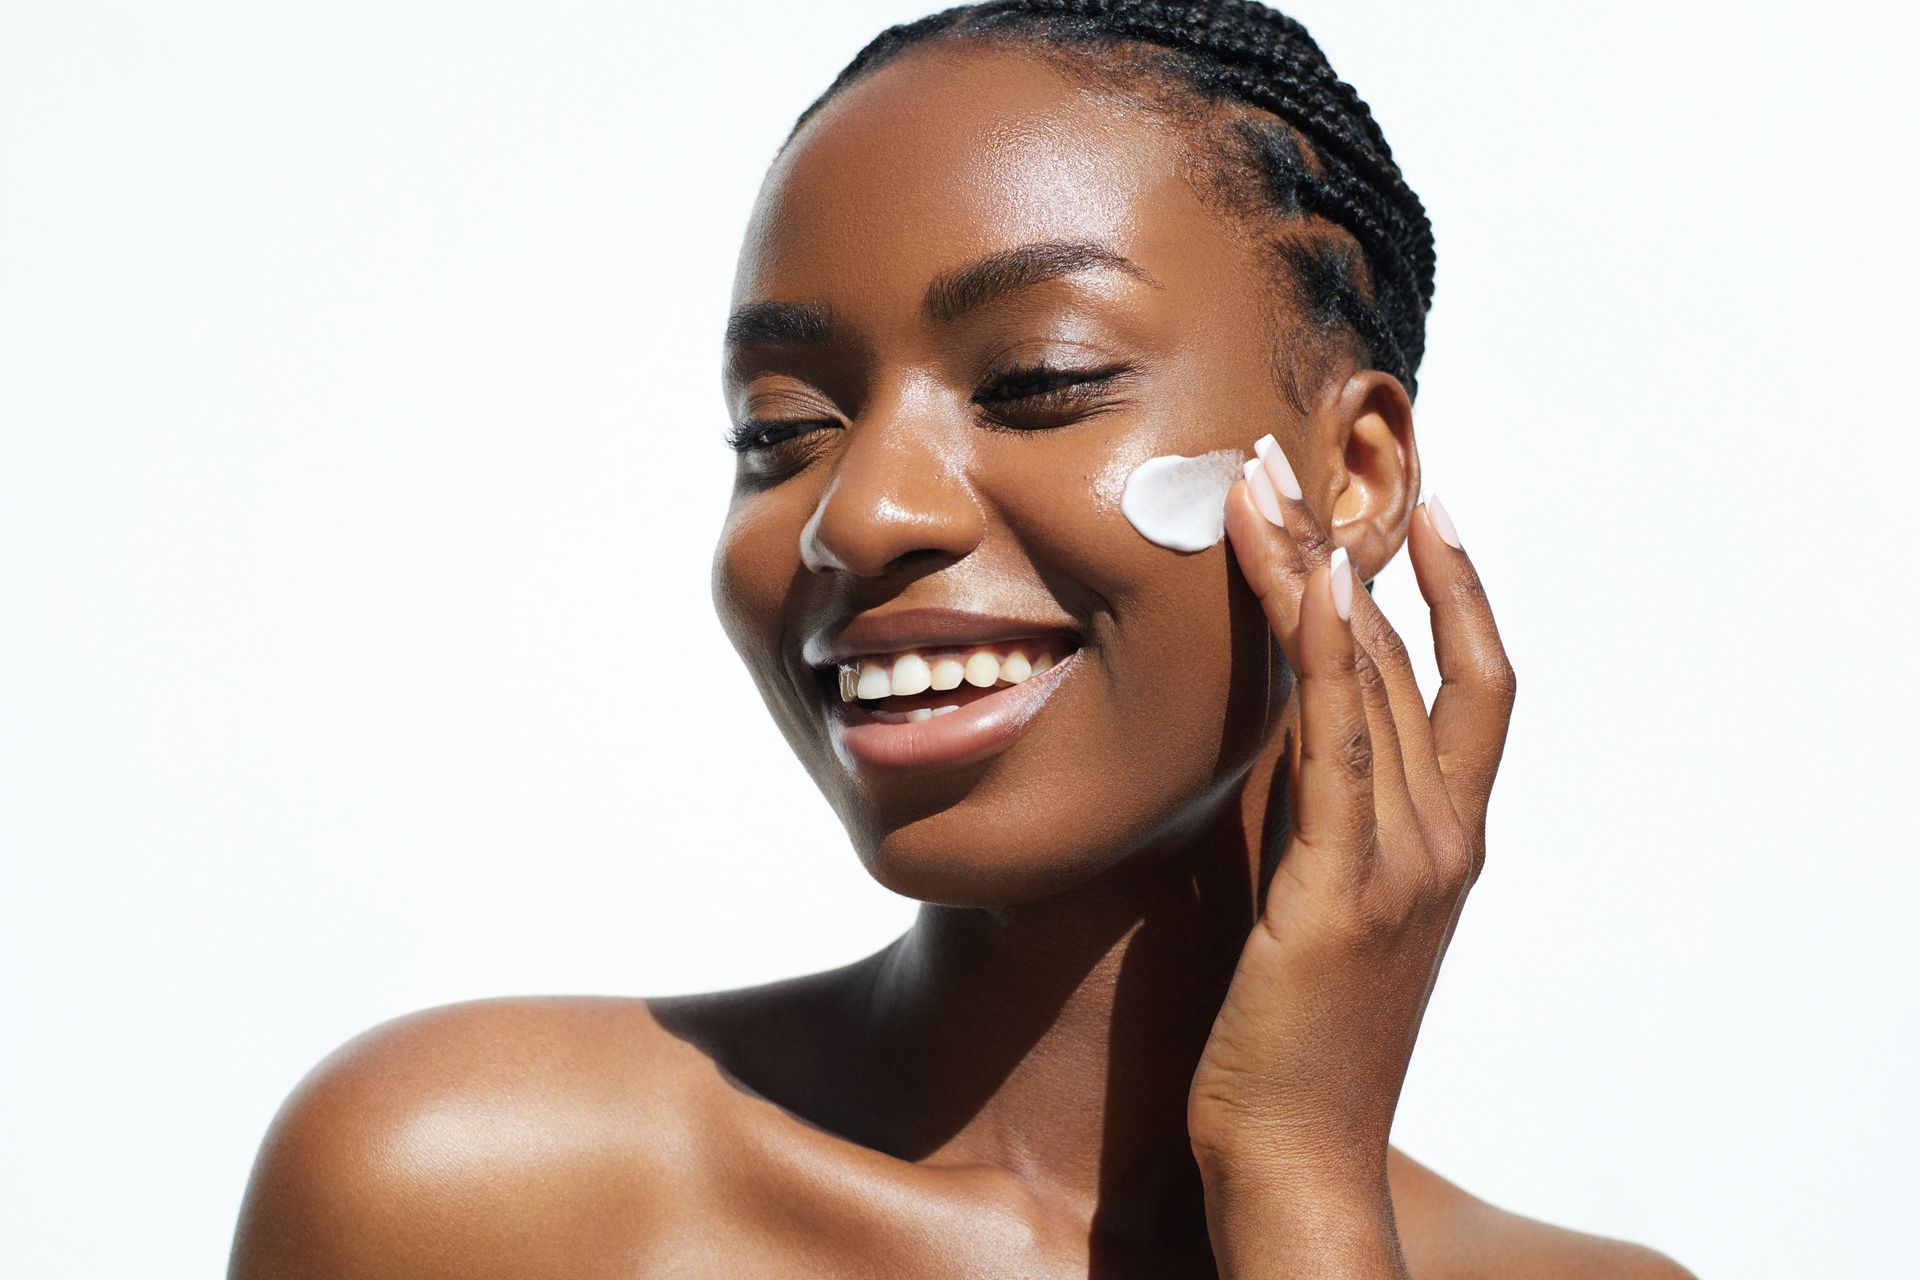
[1370, 626]
[1334, 819]
[1269, 558]
[1378, 639]
[1475, 702]
[1388, 652]
[1275, 532]
[1270, 561]
[1395, 810]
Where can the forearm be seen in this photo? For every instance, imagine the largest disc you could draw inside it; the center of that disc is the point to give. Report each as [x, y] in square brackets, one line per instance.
[1269, 1227]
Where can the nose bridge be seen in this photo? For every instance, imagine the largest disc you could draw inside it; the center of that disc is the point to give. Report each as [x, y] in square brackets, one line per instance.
[899, 487]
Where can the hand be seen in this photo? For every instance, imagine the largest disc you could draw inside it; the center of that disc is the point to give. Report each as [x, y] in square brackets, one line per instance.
[1295, 1091]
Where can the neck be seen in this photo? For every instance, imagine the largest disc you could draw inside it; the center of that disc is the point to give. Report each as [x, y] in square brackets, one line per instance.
[1057, 1039]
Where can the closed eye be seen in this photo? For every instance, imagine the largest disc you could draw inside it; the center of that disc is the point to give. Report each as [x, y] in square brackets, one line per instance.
[754, 433]
[1031, 392]
[1045, 391]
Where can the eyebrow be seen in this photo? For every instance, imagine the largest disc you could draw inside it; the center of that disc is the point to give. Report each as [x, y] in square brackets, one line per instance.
[950, 295]
[797, 322]
[954, 293]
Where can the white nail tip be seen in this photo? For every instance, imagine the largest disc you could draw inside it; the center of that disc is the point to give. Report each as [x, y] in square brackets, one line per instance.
[1342, 583]
[1442, 522]
[1279, 470]
[1263, 496]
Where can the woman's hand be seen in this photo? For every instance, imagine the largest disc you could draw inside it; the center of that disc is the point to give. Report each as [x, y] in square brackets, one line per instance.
[1294, 1095]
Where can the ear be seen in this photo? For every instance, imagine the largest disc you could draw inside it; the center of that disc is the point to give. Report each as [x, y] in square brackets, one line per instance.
[1375, 484]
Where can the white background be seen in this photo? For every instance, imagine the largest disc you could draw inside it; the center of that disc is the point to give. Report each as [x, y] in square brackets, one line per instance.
[360, 463]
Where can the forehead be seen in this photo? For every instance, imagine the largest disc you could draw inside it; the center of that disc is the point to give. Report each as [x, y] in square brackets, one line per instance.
[947, 153]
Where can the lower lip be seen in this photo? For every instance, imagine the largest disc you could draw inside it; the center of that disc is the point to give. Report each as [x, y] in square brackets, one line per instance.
[967, 736]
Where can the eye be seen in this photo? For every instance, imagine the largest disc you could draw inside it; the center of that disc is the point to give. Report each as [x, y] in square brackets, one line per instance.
[755, 433]
[1044, 395]
[1030, 396]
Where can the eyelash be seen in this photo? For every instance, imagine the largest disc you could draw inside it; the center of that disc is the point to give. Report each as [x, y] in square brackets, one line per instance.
[1074, 387]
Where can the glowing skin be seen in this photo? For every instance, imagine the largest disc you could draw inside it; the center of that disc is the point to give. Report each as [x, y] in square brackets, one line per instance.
[1006, 1089]
[1181, 503]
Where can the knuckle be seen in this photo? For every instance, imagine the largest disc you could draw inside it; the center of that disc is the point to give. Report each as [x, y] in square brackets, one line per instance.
[1356, 752]
[1368, 673]
[1454, 866]
[1467, 589]
[1495, 675]
[1391, 648]
[1377, 919]
[1312, 539]
[1502, 678]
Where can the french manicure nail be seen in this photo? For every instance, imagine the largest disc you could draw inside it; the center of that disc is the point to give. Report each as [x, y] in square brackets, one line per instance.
[1342, 583]
[1442, 522]
[1278, 468]
[1262, 490]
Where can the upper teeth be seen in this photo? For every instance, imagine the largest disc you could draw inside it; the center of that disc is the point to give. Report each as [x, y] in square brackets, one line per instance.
[884, 676]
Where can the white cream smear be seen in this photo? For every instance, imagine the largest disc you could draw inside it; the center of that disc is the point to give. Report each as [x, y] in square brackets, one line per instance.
[1180, 502]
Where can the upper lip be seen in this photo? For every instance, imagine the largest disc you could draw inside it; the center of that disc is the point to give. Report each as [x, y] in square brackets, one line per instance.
[895, 630]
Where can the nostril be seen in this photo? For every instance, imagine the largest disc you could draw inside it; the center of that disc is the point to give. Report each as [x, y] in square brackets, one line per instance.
[890, 498]
[815, 554]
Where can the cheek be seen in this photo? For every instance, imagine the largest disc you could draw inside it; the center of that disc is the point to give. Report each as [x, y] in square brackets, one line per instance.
[1182, 644]
[753, 561]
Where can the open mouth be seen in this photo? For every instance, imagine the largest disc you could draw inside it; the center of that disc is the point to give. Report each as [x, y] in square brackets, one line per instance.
[919, 684]
[932, 706]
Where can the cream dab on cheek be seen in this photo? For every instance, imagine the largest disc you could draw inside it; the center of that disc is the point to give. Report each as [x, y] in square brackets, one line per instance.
[1179, 502]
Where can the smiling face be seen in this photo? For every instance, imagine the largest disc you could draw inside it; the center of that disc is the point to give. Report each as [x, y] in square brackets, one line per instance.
[974, 295]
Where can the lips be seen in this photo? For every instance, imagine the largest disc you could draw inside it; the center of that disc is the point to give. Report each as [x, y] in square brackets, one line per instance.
[869, 677]
[935, 688]
[942, 729]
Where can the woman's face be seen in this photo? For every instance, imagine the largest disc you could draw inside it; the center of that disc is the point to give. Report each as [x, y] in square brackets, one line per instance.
[909, 496]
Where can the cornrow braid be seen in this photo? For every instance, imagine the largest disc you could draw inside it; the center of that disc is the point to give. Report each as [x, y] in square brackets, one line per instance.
[1239, 51]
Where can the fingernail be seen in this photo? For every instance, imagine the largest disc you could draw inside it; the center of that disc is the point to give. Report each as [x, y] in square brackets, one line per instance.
[1442, 522]
[1278, 468]
[1262, 490]
[1342, 583]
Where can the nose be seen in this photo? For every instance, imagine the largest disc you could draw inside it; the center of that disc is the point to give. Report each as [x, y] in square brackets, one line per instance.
[898, 493]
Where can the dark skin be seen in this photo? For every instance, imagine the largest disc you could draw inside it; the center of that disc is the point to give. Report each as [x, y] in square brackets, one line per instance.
[1102, 1050]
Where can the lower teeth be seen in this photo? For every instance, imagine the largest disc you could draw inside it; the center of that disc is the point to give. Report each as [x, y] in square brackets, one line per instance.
[910, 717]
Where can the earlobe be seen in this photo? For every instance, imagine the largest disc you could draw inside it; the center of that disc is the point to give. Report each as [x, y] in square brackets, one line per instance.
[1379, 479]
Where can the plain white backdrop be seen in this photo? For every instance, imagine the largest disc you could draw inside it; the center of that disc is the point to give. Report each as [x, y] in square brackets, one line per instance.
[360, 464]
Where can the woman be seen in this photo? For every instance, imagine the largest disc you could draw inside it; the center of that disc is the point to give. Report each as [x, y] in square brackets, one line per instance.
[1190, 842]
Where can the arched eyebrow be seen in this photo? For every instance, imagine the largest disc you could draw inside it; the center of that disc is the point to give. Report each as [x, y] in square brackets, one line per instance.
[950, 295]
[954, 293]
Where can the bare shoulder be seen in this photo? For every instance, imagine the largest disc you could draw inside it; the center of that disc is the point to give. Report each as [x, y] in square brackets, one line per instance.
[1448, 1233]
[474, 1139]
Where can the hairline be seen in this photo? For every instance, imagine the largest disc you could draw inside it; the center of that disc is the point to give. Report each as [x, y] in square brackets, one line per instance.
[1150, 80]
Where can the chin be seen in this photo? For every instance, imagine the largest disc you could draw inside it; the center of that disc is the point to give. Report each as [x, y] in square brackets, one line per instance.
[932, 861]
[1004, 841]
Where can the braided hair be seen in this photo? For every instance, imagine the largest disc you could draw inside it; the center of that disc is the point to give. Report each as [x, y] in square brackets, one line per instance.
[1296, 144]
